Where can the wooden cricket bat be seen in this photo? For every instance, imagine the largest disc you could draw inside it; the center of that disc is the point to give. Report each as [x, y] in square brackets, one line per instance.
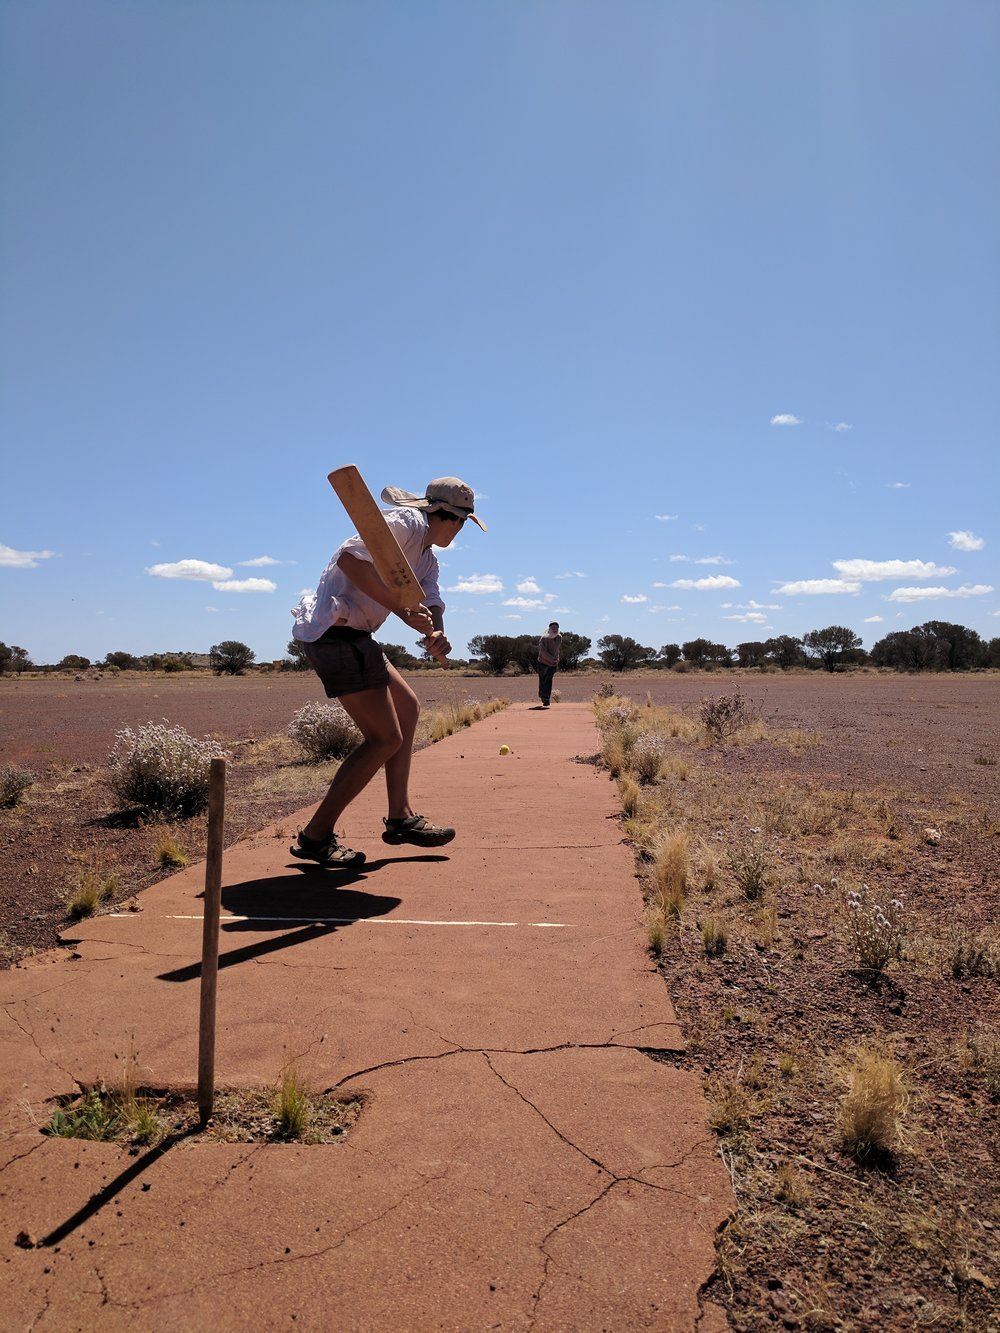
[390, 563]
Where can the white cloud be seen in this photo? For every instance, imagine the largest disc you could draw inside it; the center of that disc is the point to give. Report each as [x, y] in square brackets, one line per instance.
[244, 585]
[703, 559]
[873, 620]
[199, 570]
[842, 425]
[899, 485]
[933, 594]
[965, 541]
[478, 584]
[572, 574]
[11, 559]
[634, 601]
[750, 617]
[785, 419]
[666, 518]
[528, 585]
[526, 603]
[814, 587]
[871, 571]
[709, 584]
[259, 562]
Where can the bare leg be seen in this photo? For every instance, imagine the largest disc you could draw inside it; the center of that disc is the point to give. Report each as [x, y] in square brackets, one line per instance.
[397, 768]
[374, 714]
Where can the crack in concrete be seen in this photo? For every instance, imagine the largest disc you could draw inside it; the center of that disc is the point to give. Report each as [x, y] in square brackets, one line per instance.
[27, 1032]
[294, 1258]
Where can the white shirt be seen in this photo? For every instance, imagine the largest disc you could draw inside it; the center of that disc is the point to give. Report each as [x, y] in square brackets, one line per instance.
[337, 601]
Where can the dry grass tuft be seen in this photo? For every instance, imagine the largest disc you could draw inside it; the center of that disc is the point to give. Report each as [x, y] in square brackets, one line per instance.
[872, 1110]
[670, 872]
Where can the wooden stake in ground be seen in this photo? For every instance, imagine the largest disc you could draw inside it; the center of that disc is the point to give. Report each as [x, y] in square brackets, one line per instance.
[210, 938]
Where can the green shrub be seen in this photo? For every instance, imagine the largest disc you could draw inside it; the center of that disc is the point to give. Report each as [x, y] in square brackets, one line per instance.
[325, 731]
[162, 769]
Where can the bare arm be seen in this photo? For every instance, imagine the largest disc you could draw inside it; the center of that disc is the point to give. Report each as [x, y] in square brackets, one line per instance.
[428, 623]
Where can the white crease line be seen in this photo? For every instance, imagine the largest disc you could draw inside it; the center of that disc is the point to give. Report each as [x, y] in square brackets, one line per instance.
[355, 921]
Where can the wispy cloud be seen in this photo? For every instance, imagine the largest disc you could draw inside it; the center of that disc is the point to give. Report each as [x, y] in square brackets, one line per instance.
[703, 559]
[634, 601]
[11, 559]
[873, 620]
[528, 585]
[527, 603]
[935, 594]
[666, 518]
[965, 541]
[786, 419]
[201, 571]
[710, 584]
[899, 485]
[245, 585]
[842, 425]
[479, 584]
[572, 574]
[871, 571]
[817, 587]
[259, 562]
[751, 606]
[749, 618]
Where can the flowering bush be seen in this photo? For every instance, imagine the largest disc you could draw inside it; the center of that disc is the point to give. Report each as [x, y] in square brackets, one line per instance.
[163, 769]
[646, 756]
[876, 934]
[325, 731]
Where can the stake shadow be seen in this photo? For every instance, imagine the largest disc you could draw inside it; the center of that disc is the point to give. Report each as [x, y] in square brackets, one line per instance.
[320, 902]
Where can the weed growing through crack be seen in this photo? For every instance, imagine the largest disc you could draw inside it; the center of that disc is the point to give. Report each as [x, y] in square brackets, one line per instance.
[292, 1105]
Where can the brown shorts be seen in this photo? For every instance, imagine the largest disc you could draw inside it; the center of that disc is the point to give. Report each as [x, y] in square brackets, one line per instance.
[346, 661]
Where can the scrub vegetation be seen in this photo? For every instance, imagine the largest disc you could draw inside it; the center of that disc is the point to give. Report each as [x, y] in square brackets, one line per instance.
[825, 920]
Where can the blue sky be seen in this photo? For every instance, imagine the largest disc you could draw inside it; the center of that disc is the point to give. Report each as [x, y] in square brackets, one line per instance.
[701, 296]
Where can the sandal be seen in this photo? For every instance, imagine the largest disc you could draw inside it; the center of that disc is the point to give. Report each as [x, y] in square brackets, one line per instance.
[415, 829]
[326, 852]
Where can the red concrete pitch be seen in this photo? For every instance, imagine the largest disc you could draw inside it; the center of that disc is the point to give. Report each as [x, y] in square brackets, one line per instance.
[528, 1156]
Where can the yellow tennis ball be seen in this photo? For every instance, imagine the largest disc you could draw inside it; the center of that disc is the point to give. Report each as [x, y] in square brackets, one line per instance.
[505, 749]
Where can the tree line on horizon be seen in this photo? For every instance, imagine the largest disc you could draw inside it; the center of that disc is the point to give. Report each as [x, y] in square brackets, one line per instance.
[936, 645]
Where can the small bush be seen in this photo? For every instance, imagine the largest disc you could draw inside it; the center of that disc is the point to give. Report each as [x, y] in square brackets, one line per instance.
[325, 731]
[752, 869]
[972, 955]
[872, 1108]
[162, 769]
[14, 782]
[646, 756]
[876, 935]
[725, 715]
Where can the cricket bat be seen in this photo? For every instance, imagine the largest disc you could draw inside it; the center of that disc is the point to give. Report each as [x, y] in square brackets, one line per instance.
[390, 563]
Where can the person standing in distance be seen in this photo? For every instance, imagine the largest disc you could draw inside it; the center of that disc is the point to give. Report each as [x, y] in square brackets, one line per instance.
[548, 661]
[335, 624]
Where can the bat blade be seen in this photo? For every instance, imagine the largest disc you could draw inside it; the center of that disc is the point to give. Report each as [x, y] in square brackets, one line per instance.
[391, 564]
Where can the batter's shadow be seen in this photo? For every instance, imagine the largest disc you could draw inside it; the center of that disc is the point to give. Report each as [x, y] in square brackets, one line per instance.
[319, 902]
